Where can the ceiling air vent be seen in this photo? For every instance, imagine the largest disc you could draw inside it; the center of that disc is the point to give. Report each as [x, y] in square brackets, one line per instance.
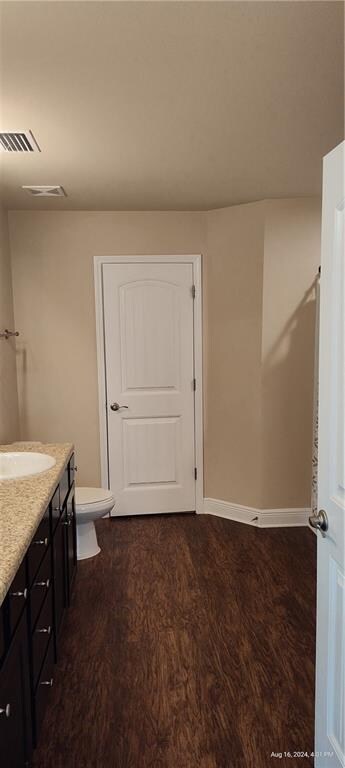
[19, 141]
[45, 191]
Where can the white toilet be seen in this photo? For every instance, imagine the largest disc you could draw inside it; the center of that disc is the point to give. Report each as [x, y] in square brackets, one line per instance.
[90, 504]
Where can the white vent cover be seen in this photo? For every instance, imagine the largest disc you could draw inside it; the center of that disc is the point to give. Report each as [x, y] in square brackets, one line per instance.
[45, 190]
[18, 141]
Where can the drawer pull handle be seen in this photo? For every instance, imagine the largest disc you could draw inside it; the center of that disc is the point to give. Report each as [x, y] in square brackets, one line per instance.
[67, 522]
[23, 594]
[48, 682]
[6, 711]
[43, 542]
[44, 630]
[42, 583]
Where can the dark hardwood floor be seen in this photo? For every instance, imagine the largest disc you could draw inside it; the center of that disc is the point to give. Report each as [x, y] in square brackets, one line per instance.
[189, 644]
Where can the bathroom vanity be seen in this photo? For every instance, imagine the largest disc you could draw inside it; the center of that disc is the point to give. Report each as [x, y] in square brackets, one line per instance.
[37, 568]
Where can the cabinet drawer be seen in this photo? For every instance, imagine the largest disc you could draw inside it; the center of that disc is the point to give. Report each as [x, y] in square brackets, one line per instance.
[55, 508]
[44, 686]
[41, 635]
[40, 586]
[38, 547]
[17, 597]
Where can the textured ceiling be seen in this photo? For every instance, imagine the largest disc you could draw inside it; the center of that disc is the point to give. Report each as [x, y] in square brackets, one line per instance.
[170, 105]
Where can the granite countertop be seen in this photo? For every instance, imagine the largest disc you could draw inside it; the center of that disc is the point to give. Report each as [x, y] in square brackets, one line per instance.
[22, 505]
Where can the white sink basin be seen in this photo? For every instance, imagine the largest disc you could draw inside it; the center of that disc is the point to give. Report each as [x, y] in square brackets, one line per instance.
[15, 464]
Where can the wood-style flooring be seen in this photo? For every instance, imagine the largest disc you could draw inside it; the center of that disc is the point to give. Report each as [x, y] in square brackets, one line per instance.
[190, 644]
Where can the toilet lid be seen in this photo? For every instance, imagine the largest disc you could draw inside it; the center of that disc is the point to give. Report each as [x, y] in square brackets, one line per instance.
[92, 495]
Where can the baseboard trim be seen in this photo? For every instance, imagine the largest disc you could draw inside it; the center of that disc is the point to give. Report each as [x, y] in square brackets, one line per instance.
[260, 518]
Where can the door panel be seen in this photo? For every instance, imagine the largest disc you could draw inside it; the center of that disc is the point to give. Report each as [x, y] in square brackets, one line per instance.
[330, 669]
[148, 320]
[149, 339]
[150, 448]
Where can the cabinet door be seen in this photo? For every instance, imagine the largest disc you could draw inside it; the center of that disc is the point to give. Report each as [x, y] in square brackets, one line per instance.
[64, 486]
[41, 636]
[2, 632]
[39, 546]
[44, 686]
[15, 705]
[72, 469]
[17, 597]
[60, 571]
[71, 542]
[55, 509]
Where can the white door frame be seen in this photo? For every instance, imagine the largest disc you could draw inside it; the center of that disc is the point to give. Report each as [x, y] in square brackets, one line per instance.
[196, 261]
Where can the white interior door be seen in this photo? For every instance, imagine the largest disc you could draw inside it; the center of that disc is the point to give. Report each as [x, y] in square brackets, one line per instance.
[330, 656]
[148, 325]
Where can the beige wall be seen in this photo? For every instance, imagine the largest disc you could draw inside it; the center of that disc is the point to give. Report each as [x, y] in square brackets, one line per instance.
[52, 255]
[233, 285]
[292, 258]
[259, 260]
[8, 378]
[262, 260]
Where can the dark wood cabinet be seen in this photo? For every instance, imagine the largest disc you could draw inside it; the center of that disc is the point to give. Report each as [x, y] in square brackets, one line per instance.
[64, 559]
[40, 586]
[43, 688]
[64, 486]
[2, 633]
[71, 542]
[56, 509]
[30, 622]
[17, 598]
[41, 635]
[15, 703]
[39, 546]
[59, 574]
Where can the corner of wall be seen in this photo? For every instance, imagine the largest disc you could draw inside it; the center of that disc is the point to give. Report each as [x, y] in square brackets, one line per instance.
[291, 257]
[9, 410]
[269, 251]
[235, 262]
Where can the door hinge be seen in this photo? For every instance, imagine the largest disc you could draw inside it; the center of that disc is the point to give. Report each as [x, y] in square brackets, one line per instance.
[195, 473]
[193, 291]
[194, 385]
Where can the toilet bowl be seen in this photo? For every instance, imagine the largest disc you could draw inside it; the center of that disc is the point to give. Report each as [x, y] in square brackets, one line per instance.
[90, 504]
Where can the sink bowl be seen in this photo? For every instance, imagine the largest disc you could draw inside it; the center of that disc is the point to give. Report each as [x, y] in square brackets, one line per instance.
[15, 464]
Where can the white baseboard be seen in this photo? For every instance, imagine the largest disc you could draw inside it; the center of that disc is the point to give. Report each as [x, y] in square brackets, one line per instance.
[274, 518]
[260, 518]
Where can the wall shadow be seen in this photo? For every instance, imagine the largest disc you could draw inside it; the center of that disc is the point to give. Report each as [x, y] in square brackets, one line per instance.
[287, 411]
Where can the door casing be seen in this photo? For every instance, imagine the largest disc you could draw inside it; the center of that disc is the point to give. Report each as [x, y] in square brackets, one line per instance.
[196, 261]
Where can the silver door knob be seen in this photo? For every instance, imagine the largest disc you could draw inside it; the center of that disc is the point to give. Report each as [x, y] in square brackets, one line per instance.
[117, 407]
[319, 521]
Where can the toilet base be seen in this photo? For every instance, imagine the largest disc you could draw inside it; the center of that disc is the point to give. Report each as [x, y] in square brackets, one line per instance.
[87, 544]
